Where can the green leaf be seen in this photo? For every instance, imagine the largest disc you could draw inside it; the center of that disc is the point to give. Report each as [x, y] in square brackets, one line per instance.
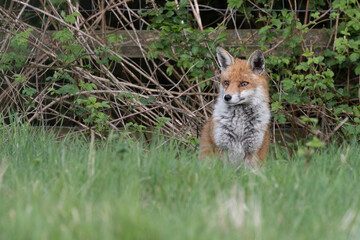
[315, 143]
[308, 53]
[315, 15]
[195, 49]
[280, 118]
[115, 58]
[170, 5]
[28, 91]
[303, 66]
[354, 57]
[286, 32]
[19, 78]
[276, 106]
[276, 22]
[63, 35]
[169, 70]
[67, 89]
[70, 18]
[235, 3]
[288, 84]
[112, 38]
[264, 29]
[329, 95]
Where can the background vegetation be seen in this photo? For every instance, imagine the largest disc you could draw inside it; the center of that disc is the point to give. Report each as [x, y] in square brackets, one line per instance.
[63, 64]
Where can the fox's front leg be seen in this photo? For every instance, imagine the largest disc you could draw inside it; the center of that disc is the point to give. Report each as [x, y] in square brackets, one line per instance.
[254, 157]
[207, 143]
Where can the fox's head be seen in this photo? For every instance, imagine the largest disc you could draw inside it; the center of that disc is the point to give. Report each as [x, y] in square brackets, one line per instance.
[242, 81]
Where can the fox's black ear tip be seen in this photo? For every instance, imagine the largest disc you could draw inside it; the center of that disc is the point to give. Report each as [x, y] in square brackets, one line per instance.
[224, 58]
[219, 49]
[258, 53]
[257, 62]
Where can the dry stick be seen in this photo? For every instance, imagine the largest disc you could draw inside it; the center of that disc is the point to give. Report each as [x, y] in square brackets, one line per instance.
[12, 95]
[196, 12]
[295, 32]
[75, 94]
[126, 84]
[166, 103]
[124, 59]
[330, 38]
[12, 27]
[274, 141]
[10, 32]
[138, 42]
[142, 50]
[40, 60]
[336, 128]
[291, 8]
[298, 122]
[336, 27]
[102, 11]
[75, 121]
[283, 139]
[305, 22]
[85, 72]
[136, 39]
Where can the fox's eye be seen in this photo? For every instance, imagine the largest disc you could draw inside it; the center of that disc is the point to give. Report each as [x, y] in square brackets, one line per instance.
[226, 83]
[243, 84]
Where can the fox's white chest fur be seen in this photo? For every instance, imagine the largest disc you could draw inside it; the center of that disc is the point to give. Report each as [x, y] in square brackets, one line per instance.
[239, 129]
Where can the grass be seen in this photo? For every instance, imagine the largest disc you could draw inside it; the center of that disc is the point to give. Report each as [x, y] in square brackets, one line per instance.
[117, 189]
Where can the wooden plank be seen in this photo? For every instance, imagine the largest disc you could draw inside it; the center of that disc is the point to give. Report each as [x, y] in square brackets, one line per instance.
[316, 37]
[132, 40]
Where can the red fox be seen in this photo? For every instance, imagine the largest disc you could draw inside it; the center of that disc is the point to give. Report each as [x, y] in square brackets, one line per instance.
[239, 127]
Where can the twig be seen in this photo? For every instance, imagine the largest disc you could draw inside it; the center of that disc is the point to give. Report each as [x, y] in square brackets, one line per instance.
[295, 32]
[335, 129]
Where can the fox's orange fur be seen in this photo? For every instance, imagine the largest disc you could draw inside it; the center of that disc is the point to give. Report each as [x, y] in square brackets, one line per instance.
[239, 127]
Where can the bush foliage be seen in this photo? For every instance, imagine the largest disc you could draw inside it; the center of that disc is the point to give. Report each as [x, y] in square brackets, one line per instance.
[62, 69]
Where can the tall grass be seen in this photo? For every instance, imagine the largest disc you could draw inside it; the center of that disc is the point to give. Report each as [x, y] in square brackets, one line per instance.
[119, 189]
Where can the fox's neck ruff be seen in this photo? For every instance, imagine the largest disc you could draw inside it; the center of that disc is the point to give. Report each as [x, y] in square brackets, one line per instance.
[239, 129]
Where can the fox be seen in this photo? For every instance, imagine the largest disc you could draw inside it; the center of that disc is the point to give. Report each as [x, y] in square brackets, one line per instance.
[239, 127]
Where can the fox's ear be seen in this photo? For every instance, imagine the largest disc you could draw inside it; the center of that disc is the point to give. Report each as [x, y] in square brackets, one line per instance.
[224, 58]
[257, 62]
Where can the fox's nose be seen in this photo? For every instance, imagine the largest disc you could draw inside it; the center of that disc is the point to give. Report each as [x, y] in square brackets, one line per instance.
[227, 97]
